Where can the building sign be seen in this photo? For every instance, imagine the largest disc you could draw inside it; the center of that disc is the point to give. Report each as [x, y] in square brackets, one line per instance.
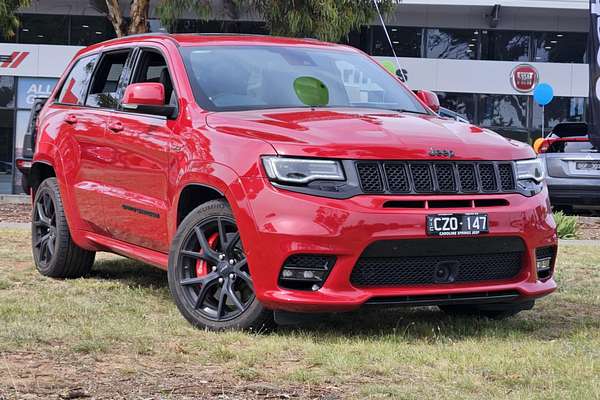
[13, 60]
[524, 77]
[35, 59]
[30, 88]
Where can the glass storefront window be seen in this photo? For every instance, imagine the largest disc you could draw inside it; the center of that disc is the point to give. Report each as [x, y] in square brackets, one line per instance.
[6, 150]
[462, 103]
[460, 44]
[44, 29]
[505, 46]
[505, 114]
[560, 47]
[7, 91]
[86, 30]
[406, 41]
[560, 109]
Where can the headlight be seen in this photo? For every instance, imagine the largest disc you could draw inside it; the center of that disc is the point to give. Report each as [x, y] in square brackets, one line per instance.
[530, 176]
[302, 170]
[531, 169]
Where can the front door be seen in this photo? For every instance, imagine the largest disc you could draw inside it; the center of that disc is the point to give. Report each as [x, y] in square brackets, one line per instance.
[136, 209]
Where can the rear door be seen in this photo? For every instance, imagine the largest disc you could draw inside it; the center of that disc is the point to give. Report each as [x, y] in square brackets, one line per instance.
[80, 136]
[136, 209]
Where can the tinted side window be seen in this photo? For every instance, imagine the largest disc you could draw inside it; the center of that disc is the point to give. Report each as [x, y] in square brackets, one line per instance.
[75, 86]
[152, 67]
[103, 92]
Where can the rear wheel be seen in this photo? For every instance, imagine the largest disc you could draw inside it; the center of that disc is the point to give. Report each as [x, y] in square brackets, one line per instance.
[54, 252]
[208, 273]
[492, 311]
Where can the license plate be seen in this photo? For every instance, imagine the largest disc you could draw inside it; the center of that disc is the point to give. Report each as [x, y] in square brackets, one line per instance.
[457, 224]
[587, 165]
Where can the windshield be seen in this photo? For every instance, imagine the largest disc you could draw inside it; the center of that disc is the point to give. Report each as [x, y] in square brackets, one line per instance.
[228, 78]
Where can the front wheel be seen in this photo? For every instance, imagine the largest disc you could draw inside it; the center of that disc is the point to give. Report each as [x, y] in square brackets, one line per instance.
[208, 272]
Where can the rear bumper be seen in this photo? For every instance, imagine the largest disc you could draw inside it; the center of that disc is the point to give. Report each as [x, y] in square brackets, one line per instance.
[287, 223]
[575, 195]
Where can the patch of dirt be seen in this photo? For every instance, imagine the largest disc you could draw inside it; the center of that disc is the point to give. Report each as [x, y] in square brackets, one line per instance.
[27, 375]
[589, 228]
[15, 213]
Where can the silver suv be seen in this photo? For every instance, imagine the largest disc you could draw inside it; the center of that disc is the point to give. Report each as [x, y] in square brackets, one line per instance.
[572, 167]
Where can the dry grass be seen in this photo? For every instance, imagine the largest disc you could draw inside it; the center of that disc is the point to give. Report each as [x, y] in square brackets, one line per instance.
[118, 335]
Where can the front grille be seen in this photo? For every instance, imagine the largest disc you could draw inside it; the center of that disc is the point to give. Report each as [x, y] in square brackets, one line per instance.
[396, 177]
[438, 261]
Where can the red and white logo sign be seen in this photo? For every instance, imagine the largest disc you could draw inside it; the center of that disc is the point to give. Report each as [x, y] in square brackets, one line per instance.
[524, 77]
[13, 60]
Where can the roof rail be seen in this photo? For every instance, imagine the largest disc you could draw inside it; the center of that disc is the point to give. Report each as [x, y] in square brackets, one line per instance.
[167, 35]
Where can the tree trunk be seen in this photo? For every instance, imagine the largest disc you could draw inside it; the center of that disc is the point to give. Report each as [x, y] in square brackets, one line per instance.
[116, 17]
[139, 16]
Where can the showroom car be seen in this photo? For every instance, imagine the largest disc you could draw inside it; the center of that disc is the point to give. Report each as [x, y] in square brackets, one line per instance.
[274, 175]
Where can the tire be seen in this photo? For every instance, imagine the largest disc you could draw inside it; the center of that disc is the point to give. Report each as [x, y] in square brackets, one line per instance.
[491, 311]
[54, 252]
[208, 273]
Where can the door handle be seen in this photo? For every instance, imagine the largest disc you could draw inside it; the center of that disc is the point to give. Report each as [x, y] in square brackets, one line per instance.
[71, 119]
[115, 126]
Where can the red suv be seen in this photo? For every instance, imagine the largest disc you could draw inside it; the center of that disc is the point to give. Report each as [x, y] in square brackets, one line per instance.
[271, 174]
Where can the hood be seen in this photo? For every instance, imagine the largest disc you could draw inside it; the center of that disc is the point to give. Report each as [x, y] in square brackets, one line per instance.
[367, 134]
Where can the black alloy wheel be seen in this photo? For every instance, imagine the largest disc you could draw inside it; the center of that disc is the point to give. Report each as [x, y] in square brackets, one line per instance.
[209, 275]
[54, 252]
[226, 290]
[44, 229]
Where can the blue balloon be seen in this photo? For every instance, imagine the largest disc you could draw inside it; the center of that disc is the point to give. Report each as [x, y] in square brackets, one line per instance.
[543, 94]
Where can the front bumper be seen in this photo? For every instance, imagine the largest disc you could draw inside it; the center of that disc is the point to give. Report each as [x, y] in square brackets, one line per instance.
[284, 223]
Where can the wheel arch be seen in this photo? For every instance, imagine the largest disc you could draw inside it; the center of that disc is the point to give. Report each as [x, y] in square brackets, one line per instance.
[193, 195]
[40, 171]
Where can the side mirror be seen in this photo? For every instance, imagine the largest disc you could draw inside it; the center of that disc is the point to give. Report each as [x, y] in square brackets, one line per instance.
[430, 99]
[147, 98]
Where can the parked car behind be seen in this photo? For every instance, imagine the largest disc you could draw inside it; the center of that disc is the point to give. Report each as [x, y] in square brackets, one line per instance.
[573, 167]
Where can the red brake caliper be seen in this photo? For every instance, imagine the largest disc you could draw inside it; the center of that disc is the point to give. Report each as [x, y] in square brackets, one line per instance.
[201, 265]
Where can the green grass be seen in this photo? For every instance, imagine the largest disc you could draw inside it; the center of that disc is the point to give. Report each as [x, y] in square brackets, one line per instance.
[120, 325]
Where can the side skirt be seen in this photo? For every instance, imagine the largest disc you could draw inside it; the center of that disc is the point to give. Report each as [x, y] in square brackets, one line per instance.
[152, 257]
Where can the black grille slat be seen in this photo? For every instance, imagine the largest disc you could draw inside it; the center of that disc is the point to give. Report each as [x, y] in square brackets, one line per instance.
[507, 178]
[487, 175]
[444, 175]
[397, 177]
[419, 270]
[422, 179]
[468, 178]
[370, 177]
[430, 177]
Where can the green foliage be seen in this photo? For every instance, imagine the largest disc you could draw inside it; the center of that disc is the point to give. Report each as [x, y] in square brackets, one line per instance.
[8, 20]
[169, 11]
[566, 225]
[329, 20]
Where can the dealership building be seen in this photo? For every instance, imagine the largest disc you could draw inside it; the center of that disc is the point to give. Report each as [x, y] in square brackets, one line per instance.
[483, 58]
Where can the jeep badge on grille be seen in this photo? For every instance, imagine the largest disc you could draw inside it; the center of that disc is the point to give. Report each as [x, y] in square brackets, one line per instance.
[441, 153]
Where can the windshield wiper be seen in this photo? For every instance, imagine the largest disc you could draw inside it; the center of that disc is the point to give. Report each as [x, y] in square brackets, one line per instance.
[401, 110]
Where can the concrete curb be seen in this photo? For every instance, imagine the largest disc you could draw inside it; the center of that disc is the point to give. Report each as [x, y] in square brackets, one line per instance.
[14, 199]
[578, 242]
[15, 225]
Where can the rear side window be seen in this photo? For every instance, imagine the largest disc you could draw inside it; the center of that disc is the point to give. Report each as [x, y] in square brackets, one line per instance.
[104, 90]
[75, 86]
